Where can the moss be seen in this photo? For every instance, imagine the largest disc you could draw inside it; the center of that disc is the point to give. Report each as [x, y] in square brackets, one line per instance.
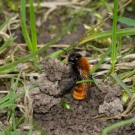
[1, 7]
[13, 5]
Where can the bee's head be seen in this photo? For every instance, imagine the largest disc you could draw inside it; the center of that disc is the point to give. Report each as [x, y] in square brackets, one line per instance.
[72, 59]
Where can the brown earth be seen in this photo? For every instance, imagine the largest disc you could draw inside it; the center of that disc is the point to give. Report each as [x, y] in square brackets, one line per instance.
[79, 119]
[47, 109]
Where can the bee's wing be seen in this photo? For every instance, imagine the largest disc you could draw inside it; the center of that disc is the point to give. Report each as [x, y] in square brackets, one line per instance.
[85, 84]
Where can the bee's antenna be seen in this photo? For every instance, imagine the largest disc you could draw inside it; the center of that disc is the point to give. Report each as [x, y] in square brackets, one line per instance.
[69, 52]
[66, 51]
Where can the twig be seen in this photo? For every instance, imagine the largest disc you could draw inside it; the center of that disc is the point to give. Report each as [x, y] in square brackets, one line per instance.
[54, 4]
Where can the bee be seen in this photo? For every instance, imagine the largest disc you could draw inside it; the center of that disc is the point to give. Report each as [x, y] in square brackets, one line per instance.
[81, 66]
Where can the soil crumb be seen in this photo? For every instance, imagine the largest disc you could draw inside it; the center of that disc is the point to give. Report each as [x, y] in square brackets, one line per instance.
[79, 119]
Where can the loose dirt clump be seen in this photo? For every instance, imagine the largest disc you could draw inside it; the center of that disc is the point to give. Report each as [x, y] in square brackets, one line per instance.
[54, 81]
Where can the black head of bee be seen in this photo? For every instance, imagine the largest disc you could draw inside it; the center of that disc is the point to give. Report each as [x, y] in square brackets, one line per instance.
[73, 58]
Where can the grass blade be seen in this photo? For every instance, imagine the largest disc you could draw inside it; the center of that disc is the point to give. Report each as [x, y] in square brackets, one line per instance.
[7, 105]
[128, 74]
[5, 23]
[56, 39]
[123, 85]
[107, 34]
[127, 21]
[7, 43]
[101, 61]
[84, 81]
[114, 29]
[4, 99]
[33, 26]
[117, 125]
[23, 25]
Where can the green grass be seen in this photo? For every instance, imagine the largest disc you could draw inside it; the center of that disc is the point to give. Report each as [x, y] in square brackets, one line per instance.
[9, 101]
[13, 5]
[107, 34]
[10, 40]
[123, 85]
[31, 41]
[114, 50]
[127, 21]
[117, 125]
[114, 38]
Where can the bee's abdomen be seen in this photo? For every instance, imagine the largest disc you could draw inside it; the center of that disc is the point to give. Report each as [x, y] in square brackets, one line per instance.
[79, 92]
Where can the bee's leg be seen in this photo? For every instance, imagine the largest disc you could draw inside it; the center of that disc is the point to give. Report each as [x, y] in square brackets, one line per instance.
[91, 78]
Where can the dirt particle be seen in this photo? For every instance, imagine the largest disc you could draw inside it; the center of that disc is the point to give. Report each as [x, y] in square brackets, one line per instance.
[112, 108]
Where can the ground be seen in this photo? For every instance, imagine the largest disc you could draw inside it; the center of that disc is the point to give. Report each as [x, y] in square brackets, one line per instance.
[56, 82]
[81, 118]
